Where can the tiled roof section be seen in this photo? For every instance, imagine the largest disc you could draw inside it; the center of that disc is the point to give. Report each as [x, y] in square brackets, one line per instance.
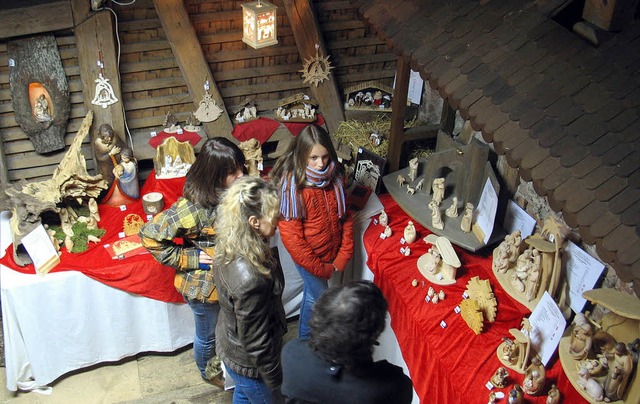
[565, 113]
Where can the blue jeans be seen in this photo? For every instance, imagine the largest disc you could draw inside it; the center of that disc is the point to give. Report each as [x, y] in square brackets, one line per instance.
[204, 342]
[312, 288]
[249, 390]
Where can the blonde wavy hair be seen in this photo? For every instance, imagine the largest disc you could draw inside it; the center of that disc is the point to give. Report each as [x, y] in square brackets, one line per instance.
[235, 237]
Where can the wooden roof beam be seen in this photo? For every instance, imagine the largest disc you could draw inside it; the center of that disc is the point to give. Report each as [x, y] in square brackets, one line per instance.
[307, 34]
[192, 62]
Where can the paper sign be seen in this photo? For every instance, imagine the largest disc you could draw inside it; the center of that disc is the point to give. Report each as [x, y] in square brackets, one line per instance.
[516, 218]
[583, 272]
[547, 327]
[487, 208]
[41, 249]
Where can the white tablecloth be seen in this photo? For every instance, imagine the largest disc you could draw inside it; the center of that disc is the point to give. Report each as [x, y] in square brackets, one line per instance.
[64, 321]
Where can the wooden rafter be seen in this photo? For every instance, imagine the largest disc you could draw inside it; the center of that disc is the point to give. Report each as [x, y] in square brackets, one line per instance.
[307, 34]
[192, 62]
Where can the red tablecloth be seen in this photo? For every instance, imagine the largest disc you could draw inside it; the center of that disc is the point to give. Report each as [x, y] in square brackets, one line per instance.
[451, 364]
[140, 274]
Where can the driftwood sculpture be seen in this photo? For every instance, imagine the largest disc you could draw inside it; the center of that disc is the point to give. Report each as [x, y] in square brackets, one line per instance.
[70, 185]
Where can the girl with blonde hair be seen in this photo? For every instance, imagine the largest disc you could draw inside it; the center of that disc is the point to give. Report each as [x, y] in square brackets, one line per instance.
[250, 284]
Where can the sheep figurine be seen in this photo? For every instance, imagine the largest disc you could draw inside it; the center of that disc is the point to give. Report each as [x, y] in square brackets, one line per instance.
[591, 386]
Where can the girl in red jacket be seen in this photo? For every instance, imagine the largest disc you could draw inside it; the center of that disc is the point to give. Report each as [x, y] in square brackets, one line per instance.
[317, 229]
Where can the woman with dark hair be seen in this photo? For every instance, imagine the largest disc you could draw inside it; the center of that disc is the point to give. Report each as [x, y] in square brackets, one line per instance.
[191, 218]
[336, 364]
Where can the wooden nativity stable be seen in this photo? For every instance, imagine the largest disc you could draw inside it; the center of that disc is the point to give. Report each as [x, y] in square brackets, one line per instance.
[552, 86]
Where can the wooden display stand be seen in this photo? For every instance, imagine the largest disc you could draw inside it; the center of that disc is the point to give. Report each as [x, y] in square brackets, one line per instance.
[623, 323]
[465, 169]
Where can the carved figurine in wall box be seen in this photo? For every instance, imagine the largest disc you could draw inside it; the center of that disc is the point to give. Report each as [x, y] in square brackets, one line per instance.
[39, 91]
[466, 169]
[620, 324]
[368, 96]
[297, 108]
[35, 203]
[173, 158]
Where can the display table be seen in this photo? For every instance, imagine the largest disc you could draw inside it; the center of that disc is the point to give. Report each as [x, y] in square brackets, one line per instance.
[67, 320]
[451, 363]
[91, 308]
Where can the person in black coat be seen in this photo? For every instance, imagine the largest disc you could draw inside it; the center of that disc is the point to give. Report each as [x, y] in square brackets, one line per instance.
[335, 365]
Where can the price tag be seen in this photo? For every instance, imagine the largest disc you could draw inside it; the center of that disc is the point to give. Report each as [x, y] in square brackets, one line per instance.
[123, 208]
[465, 295]
[260, 166]
[121, 234]
[403, 241]
[12, 62]
[149, 217]
[489, 386]
[180, 131]
[456, 310]
[383, 236]
[443, 324]
[154, 133]
[375, 221]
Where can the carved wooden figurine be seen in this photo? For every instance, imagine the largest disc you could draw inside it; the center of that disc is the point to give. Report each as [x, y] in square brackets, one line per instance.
[467, 217]
[581, 337]
[410, 233]
[619, 373]
[438, 190]
[252, 150]
[500, 378]
[107, 146]
[553, 396]
[383, 219]
[436, 218]
[452, 211]
[413, 168]
[535, 378]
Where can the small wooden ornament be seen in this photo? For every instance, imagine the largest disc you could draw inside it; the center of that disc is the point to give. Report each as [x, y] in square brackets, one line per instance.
[132, 224]
[472, 315]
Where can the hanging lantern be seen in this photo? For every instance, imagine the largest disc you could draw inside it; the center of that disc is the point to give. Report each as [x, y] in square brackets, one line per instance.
[259, 24]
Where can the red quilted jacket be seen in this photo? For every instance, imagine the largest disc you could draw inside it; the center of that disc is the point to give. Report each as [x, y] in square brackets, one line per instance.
[321, 240]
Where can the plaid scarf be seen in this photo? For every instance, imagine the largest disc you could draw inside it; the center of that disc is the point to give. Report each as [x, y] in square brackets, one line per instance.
[289, 204]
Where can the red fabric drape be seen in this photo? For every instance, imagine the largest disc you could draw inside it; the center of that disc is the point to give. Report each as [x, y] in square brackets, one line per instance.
[260, 129]
[451, 364]
[140, 274]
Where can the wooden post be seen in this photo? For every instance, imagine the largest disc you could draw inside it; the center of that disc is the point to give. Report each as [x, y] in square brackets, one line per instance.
[192, 62]
[307, 35]
[95, 33]
[398, 106]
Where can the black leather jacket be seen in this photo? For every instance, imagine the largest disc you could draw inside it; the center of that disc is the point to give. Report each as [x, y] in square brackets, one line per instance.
[251, 322]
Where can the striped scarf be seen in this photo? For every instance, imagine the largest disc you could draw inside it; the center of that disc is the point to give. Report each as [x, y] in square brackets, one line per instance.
[289, 202]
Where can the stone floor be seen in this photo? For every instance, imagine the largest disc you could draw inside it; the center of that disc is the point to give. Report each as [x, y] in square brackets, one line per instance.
[145, 379]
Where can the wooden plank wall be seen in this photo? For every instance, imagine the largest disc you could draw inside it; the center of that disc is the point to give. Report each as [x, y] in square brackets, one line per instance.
[152, 83]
